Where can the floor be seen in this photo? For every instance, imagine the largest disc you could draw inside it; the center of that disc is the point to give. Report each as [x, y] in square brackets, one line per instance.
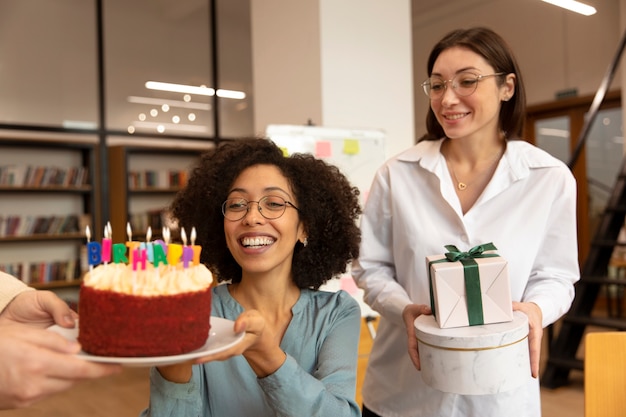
[127, 394]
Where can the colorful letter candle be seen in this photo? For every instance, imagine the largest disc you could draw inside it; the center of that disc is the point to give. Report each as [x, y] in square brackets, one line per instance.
[93, 253]
[139, 257]
[196, 248]
[174, 253]
[137, 254]
[187, 251]
[106, 245]
[148, 245]
[130, 243]
[119, 253]
[93, 250]
[158, 249]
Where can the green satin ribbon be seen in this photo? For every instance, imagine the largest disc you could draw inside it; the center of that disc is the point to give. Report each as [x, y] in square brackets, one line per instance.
[471, 275]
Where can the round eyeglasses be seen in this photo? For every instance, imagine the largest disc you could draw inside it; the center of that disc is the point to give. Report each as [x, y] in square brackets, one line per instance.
[463, 84]
[271, 207]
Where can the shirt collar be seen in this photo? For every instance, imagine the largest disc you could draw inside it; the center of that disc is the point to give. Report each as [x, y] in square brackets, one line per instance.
[519, 155]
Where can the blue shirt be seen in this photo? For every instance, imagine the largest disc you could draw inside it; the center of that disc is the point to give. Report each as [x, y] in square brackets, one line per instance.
[318, 378]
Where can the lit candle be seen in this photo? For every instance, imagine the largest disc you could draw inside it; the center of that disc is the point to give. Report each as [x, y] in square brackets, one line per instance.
[148, 245]
[93, 250]
[196, 248]
[139, 257]
[166, 235]
[187, 250]
[130, 244]
[174, 251]
[119, 253]
[106, 245]
[158, 253]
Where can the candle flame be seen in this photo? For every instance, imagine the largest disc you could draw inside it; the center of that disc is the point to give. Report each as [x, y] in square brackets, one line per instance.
[88, 233]
[129, 232]
[149, 234]
[183, 236]
[193, 235]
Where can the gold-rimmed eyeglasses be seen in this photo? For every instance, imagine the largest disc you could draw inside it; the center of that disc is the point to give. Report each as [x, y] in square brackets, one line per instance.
[463, 84]
[271, 207]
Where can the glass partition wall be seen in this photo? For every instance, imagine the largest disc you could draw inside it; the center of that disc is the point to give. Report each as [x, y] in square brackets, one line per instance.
[143, 67]
[556, 127]
[143, 72]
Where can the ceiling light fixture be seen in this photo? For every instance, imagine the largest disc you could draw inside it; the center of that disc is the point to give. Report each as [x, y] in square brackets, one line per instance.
[239, 95]
[171, 103]
[574, 6]
[180, 88]
[190, 89]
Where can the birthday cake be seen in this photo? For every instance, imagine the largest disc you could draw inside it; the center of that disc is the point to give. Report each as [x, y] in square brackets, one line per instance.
[140, 308]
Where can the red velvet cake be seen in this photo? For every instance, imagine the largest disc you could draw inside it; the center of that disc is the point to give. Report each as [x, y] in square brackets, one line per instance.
[154, 312]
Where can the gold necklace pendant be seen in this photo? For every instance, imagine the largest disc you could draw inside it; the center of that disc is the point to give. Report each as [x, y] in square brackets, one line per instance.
[462, 186]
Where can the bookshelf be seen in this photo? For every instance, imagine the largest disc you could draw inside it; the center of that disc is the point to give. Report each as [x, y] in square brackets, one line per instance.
[47, 197]
[143, 180]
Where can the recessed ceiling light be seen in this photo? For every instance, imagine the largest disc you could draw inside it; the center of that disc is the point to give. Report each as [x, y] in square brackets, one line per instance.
[574, 6]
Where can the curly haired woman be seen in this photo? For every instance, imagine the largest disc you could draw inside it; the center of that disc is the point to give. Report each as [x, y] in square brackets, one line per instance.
[274, 229]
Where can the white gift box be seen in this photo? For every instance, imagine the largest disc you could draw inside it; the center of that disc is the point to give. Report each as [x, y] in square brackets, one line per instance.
[476, 360]
[447, 280]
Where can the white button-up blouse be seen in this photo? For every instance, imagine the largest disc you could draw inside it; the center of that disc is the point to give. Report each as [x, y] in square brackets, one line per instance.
[528, 211]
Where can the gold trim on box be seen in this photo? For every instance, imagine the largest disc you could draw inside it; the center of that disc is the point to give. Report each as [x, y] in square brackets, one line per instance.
[474, 349]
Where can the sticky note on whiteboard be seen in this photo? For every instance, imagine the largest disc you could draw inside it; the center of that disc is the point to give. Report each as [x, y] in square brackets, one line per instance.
[323, 149]
[351, 146]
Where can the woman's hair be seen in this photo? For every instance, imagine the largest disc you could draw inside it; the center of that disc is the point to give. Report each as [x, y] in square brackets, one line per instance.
[328, 206]
[498, 54]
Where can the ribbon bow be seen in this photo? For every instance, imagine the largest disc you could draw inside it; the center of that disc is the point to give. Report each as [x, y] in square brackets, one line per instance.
[476, 252]
[471, 276]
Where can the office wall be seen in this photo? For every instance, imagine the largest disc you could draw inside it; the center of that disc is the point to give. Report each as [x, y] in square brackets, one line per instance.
[341, 63]
[286, 62]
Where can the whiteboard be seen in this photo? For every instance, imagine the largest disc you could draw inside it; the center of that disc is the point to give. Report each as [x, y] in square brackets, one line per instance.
[358, 153]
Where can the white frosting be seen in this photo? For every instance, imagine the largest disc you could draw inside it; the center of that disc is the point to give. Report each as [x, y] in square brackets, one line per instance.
[164, 280]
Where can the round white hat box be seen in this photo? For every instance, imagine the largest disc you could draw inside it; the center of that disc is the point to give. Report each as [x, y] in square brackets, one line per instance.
[474, 360]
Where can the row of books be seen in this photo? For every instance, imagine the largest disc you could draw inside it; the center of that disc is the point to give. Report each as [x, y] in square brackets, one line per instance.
[42, 176]
[138, 180]
[43, 272]
[37, 225]
[155, 219]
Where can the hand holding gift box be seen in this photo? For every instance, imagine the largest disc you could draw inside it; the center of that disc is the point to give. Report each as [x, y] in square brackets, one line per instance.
[469, 288]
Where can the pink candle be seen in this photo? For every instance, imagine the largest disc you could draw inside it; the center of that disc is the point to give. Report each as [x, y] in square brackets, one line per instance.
[106, 246]
[139, 257]
[130, 244]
